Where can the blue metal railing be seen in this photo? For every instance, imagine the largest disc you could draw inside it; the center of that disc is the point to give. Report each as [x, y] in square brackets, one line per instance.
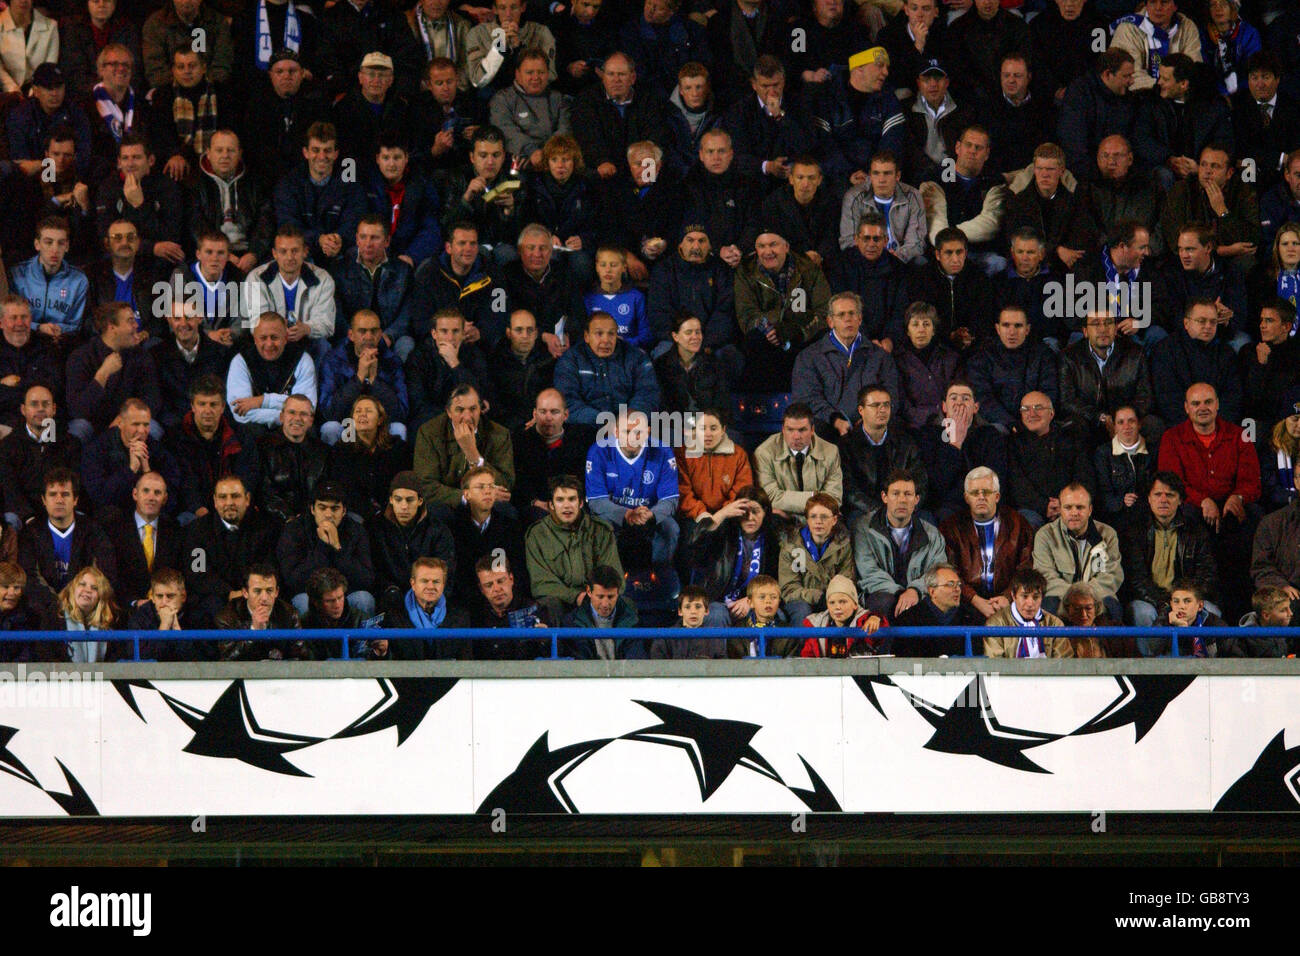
[556, 634]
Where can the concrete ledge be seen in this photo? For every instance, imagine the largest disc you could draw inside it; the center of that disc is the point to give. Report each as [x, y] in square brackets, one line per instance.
[545, 669]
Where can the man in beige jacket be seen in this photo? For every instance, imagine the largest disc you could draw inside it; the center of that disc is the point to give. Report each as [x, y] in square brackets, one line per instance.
[1076, 548]
[1152, 34]
[795, 464]
[1026, 612]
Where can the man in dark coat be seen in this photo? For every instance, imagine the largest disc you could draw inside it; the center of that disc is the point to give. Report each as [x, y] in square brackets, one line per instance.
[223, 545]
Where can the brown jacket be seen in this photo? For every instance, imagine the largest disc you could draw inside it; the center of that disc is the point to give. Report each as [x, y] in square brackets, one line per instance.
[1013, 549]
[1006, 646]
[708, 481]
[810, 583]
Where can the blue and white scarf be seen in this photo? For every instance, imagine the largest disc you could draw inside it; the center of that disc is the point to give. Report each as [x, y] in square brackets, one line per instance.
[746, 566]
[292, 34]
[1028, 646]
[119, 120]
[988, 532]
[425, 620]
[1285, 471]
[1158, 40]
[815, 550]
[1288, 288]
[424, 23]
[1113, 280]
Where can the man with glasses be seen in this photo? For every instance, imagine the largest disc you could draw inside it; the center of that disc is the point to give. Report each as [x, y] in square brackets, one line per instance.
[871, 450]
[941, 607]
[1196, 355]
[987, 545]
[1041, 458]
[1099, 373]
[114, 106]
[1004, 368]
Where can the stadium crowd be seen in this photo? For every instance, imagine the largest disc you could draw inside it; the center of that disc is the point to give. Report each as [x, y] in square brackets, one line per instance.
[598, 313]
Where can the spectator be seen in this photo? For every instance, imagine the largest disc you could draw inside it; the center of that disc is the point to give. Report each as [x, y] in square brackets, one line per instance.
[976, 42]
[1100, 373]
[842, 611]
[1097, 105]
[1041, 458]
[664, 41]
[484, 195]
[959, 292]
[363, 366]
[940, 607]
[857, 117]
[373, 278]
[1275, 559]
[111, 105]
[448, 446]
[315, 197]
[349, 35]
[565, 547]
[225, 197]
[894, 549]
[967, 196]
[58, 191]
[911, 37]
[546, 286]
[1178, 120]
[124, 275]
[106, 371]
[322, 538]
[763, 595]
[145, 196]
[290, 461]
[632, 484]
[298, 290]
[505, 605]
[797, 463]
[805, 211]
[257, 32]
[328, 610]
[605, 607]
[56, 543]
[987, 545]
[368, 455]
[26, 359]
[26, 607]
[425, 607]
[1281, 277]
[723, 197]
[31, 122]
[561, 197]
[172, 28]
[1278, 457]
[1272, 608]
[1152, 35]
[1016, 118]
[1200, 273]
[30, 451]
[826, 376]
[406, 200]
[1025, 283]
[612, 294]
[765, 130]
[444, 116]
[55, 290]
[481, 529]
[1063, 41]
[1272, 367]
[642, 211]
[87, 604]
[711, 470]
[739, 542]
[185, 113]
[1005, 369]
[1079, 609]
[1195, 355]
[211, 282]
[1117, 192]
[873, 450]
[602, 374]
[692, 112]
[529, 112]
[1028, 595]
[1161, 546]
[206, 447]
[372, 109]
[934, 121]
[812, 556]
[1187, 609]
[1141, 299]
[1281, 203]
[953, 443]
[546, 446]
[1048, 202]
[583, 40]
[1074, 547]
[1227, 43]
[898, 204]
[781, 303]
[1123, 468]
[491, 62]
[880, 280]
[691, 379]
[166, 608]
[230, 539]
[117, 457]
[143, 538]
[262, 376]
[21, 55]
[925, 366]
[1216, 194]
[696, 282]
[276, 122]
[459, 279]
[692, 609]
[258, 607]
[83, 36]
[403, 532]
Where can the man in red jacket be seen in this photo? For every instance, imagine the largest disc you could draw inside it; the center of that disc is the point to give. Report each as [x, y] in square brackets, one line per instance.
[1220, 467]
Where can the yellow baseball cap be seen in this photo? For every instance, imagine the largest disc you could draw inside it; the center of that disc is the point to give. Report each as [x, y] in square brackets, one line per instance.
[874, 55]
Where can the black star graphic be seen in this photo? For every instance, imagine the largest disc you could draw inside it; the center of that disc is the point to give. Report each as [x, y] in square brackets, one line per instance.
[967, 729]
[123, 687]
[1141, 701]
[229, 729]
[537, 784]
[715, 747]
[405, 703]
[1273, 783]
[819, 799]
[866, 684]
[76, 802]
[9, 763]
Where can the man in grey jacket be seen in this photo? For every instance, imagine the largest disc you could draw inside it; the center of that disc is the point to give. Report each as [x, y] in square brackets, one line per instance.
[893, 550]
[900, 204]
[1076, 548]
[829, 373]
[529, 112]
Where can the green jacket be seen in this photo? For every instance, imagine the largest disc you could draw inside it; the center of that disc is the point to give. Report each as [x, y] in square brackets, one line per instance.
[441, 464]
[560, 560]
[799, 315]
